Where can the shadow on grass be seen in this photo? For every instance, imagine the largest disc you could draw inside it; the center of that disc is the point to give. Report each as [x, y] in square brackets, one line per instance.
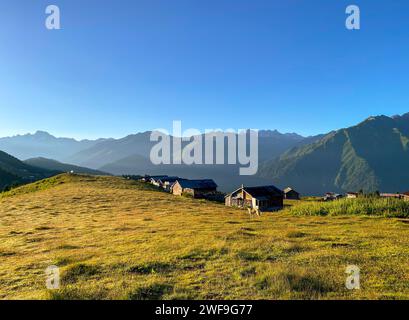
[71, 293]
[79, 271]
[296, 234]
[301, 286]
[152, 268]
[154, 291]
[249, 256]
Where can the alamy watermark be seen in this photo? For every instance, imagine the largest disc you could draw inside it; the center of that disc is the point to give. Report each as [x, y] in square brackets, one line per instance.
[353, 21]
[52, 281]
[53, 20]
[353, 281]
[192, 147]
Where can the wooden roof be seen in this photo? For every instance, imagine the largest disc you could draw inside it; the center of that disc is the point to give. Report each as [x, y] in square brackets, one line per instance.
[260, 192]
[197, 184]
[286, 190]
[170, 179]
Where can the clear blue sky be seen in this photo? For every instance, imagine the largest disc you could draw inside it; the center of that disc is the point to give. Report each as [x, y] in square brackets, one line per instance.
[119, 67]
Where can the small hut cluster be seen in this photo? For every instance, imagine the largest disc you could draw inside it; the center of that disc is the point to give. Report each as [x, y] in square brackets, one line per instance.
[198, 189]
[401, 196]
[262, 198]
[330, 196]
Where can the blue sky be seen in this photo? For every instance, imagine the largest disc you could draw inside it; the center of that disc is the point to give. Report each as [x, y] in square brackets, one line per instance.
[119, 67]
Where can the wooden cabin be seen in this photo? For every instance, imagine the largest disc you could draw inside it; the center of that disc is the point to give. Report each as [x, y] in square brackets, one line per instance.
[291, 194]
[352, 195]
[155, 180]
[262, 198]
[331, 196]
[167, 183]
[150, 179]
[194, 188]
[145, 178]
[392, 195]
[405, 196]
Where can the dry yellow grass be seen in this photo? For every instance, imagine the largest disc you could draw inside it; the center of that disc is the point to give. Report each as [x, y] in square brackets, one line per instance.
[117, 239]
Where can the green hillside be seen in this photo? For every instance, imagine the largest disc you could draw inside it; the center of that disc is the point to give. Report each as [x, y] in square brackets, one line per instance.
[50, 164]
[371, 156]
[15, 172]
[7, 179]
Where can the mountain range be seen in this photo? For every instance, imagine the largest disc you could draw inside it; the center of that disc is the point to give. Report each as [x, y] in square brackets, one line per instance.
[131, 155]
[371, 155]
[43, 144]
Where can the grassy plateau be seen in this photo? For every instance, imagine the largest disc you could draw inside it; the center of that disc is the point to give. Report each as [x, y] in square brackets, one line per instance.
[118, 239]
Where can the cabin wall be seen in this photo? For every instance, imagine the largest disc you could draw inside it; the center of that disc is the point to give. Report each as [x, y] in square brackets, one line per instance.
[189, 191]
[177, 189]
[242, 199]
[292, 195]
[202, 193]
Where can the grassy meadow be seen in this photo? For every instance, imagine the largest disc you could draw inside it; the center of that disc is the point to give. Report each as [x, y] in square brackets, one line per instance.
[119, 239]
[371, 206]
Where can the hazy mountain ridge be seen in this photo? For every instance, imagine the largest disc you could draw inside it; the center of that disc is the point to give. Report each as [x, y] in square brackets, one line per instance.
[271, 145]
[109, 151]
[43, 144]
[130, 155]
[109, 157]
[371, 156]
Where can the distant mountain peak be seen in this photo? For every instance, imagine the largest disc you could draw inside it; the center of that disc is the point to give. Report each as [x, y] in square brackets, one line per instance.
[43, 144]
[276, 133]
[378, 117]
[404, 116]
[42, 133]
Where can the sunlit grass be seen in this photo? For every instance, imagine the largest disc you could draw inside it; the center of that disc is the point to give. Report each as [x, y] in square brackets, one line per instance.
[370, 206]
[118, 239]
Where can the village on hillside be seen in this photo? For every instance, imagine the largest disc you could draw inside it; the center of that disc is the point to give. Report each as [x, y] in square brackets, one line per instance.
[259, 198]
